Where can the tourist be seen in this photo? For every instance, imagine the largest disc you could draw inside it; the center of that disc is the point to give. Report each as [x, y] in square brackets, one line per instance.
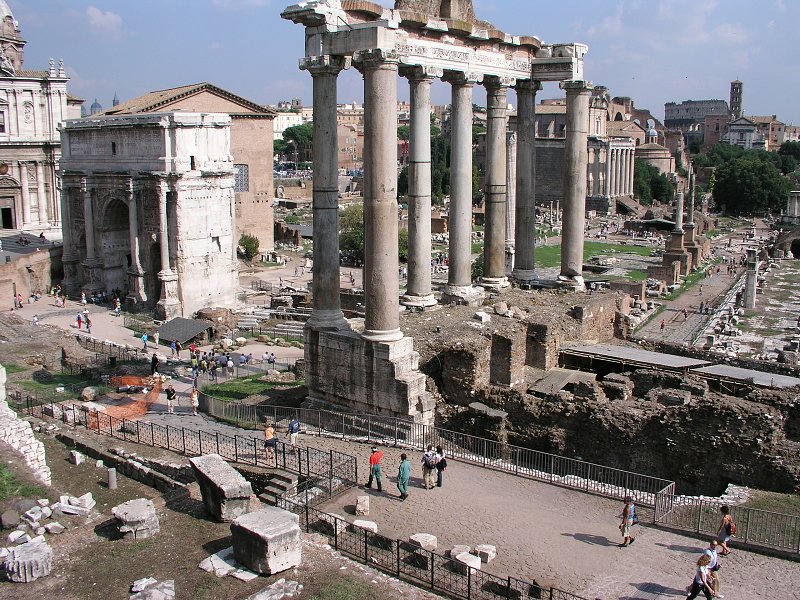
[713, 567]
[661, 326]
[293, 431]
[272, 359]
[35, 319]
[172, 349]
[156, 337]
[88, 322]
[375, 468]
[212, 369]
[78, 320]
[270, 441]
[629, 519]
[242, 360]
[265, 357]
[441, 465]
[229, 364]
[727, 528]
[195, 400]
[701, 579]
[429, 460]
[154, 364]
[83, 298]
[117, 307]
[178, 350]
[403, 475]
[144, 341]
[685, 313]
[171, 394]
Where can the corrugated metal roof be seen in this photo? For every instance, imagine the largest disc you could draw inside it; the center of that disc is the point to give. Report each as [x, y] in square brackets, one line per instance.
[181, 329]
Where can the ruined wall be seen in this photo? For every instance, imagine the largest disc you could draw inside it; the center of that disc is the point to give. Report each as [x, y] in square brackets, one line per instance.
[549, 171]
[45, 268]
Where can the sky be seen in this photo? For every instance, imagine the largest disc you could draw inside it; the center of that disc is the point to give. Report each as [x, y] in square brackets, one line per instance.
[654, 51]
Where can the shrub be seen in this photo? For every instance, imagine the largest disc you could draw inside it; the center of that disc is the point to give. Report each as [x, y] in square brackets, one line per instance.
[249, 244]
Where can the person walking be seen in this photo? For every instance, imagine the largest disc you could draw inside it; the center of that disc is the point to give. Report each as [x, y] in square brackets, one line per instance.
[629, 519]
[727, 528]
[375, 468]
[661, 326]
[270, 441]
[144, 341]
[713, 567]
[172, 349]
[403, 475]
[88, 322]
[156, 337]
[79, 320]
[700, 583]
[293, 431]
[195, 400]
[429, 460]
[154, 364]
[441, 465]
[171, 395]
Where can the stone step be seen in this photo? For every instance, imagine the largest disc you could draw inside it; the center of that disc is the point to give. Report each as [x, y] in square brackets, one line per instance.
[284, 477]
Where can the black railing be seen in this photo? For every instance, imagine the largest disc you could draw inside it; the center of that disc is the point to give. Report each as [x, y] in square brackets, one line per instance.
[423, 568]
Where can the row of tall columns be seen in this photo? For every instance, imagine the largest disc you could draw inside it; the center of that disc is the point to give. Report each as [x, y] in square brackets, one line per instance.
[47, 213]
[619, 172]
[137, 293]
[511, 197]
[525, 220]
[575, 157]
[690, 227]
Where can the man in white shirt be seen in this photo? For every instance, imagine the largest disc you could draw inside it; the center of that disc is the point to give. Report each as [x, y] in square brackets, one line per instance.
[713, 566]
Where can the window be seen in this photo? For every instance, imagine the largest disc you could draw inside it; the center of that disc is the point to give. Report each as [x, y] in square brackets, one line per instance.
[113, 148]
[2, 121]
[242, 178]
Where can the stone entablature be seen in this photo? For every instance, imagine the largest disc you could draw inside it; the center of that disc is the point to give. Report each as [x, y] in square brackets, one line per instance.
[149, 205]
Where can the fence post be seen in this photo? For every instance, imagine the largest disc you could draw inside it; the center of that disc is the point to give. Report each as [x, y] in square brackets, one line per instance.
[255, 452]
[699, 514]
[236, 448]
[747, 527]
[216, 435]
[183, 438]
[330, 475]
[432, 557]
[335, 532]
[152, 435]
[508, 589]
[397, 567]
[469, 583]
[366, 552]
[396, 432]
[199, 443]
[369, 428]
[342, 425]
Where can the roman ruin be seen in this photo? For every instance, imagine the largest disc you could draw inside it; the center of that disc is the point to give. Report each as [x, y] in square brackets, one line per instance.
[422, 41]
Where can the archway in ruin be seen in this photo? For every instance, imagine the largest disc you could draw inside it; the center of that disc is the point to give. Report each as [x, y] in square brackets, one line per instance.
[114, 244]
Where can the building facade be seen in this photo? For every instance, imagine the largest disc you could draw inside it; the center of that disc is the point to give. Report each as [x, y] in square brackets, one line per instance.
[32, 104]
[744, 133]
[148, 205]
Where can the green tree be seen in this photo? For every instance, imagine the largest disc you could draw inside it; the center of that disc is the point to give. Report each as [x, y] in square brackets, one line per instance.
[280, 148]
[249, 244]
[790, 149]
[402, 245]
[642, 173]
[404, 132]
[301, 138]
[402, 182]
[748, 186]
[351, 231]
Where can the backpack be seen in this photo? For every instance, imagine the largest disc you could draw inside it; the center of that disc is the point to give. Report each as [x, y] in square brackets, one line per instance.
[430, 460]
[732, 528]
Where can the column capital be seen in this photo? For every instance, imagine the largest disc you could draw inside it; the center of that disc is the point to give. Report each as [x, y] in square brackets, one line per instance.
[375, 59]
[576, 86]
[528, 85]
[462, 78]
[325, 65]
[495, 82]
[420, 73]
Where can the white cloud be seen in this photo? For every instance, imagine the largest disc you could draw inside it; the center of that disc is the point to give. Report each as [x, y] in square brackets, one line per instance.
[610, 25]
[216, 45]
[106, 21]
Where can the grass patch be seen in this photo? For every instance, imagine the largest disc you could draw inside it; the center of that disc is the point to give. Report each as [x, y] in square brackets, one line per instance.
[477, 248]
[47, 391]
[788, 504]
[550, 256]
[637, 275]
[345, 589]
[239, 389]
[11, 368]
[11, 487]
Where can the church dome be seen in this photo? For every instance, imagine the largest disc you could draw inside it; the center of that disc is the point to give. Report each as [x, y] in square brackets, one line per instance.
[96, 107]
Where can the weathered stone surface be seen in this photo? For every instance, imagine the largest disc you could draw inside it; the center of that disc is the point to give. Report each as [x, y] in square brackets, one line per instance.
[28, 562]
[426, 541]
[500, 308]
[76, 457]
[54, 528]
[278, 591]
[164, 590]
[43, 502]
[220, 563]
[88, 394]
[482, 317]
[486, 552]
[226, 494]
[267, 541]
[368, 525]
[143, 583]
[336, 522]
[362, 505]
[138, 519]
[460, 549]
[465, 560]
[16, 536]
[9, 519]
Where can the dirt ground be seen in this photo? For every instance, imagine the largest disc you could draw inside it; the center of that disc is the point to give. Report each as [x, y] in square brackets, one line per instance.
[91, 563]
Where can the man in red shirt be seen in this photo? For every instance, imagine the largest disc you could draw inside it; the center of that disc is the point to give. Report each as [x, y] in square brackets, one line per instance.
[375, 468]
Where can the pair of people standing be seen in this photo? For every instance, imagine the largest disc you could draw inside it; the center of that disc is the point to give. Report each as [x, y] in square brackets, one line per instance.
[433, 462]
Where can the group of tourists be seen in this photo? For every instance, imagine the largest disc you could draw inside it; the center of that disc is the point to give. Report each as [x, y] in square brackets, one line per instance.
[432, 461]
[271, 442]
[211, 363]
[82, 319]
[707, 566]
[172, 396]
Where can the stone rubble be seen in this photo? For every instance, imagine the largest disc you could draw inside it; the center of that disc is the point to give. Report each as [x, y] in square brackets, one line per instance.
[163, 590]
[426, 541]
[362, 506]
[76, 458]
[29, 561]
[278, 591]
[141, 584]
[465, 561]
[368, 525]
[486, 552]
[226, 494]
[19, 435]
[459, 549]
[138, 519]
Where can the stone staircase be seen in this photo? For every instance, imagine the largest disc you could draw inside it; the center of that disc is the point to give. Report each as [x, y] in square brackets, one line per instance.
[282, 483]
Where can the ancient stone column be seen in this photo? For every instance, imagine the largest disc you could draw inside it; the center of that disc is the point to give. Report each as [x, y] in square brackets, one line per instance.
[70, 256]
[136, 290]
[618, 174]
[459, 281]
[607, 183]
[418, 290]
[42, 200]
[88, 222]
[381, 281]
[511, 199]
[690, 227]
[574, 182]
[677, 231]
[168, 305]
[525, 222]
[494, 275]
[327, 312]
[26, 198]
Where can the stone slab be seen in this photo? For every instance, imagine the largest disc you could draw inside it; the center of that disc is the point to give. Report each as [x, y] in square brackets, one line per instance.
[362, 506]
[426, 541]
[459, 549]
[141, 584]
[486, 552]
[28, 562]
[465, 561]
[54, 528]
[138, 518]
[267, 541]
[76, 457]
[368, 525]
[163, 590]
[220, 563]
[226, 494]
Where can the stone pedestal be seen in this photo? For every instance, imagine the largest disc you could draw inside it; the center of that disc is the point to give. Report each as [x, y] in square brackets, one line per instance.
[28, 562]
[138, 519]
[267, 541]
[466, 295]
[426, 541]
[169, 305]
[226, 494]
[465, 561]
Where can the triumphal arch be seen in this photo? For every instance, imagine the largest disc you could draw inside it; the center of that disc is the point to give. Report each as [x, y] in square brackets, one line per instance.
[375, 370]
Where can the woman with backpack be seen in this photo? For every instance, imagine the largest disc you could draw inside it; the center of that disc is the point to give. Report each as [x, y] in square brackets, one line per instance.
[629, 519]
[727, 528]
[429, 460]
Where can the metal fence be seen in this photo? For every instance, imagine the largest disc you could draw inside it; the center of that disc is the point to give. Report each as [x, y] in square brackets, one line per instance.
[755, 529]
[286, 333]
[109, 349]
[326, 470]
[423, 568]
[523, 462]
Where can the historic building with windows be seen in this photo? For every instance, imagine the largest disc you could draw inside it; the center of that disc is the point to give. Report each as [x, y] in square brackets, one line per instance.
[32, 104]
[250, 145]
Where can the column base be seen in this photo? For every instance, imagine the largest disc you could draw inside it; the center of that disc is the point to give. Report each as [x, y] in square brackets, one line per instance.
[575, 283]
[494, 284]
[327, 320]
[414, 301]
[509, 259]
[463, 294]
[168, 307]
[137, 296]
[92, 277]
[525, 277]
[382, 335]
